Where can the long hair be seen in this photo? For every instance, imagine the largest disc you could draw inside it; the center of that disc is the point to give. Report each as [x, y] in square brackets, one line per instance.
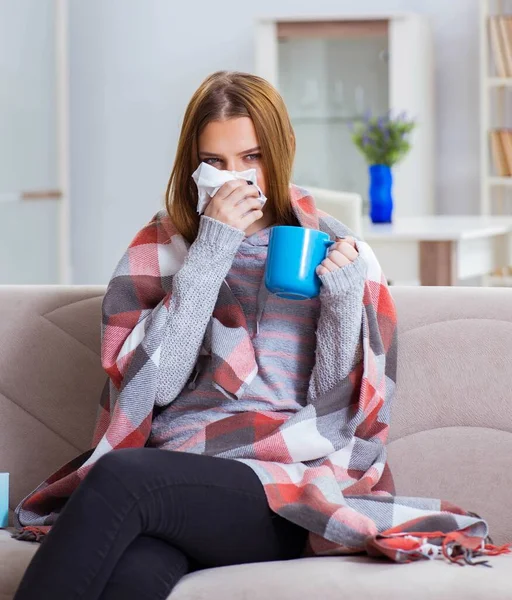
[224, 95]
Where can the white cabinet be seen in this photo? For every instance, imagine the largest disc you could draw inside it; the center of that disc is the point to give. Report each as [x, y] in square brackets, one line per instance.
[333, 70]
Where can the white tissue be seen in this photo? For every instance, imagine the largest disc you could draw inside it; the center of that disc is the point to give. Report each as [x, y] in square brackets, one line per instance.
[209, 179]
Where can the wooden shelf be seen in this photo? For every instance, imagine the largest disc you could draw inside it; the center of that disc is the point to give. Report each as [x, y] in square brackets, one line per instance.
[494, 82]
[505, 181]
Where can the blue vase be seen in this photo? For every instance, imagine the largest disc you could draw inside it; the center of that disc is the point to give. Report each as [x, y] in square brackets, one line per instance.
[381, 198]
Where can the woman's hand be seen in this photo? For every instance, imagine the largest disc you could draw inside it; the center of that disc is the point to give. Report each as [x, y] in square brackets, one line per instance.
[237, 204]
[342, 253]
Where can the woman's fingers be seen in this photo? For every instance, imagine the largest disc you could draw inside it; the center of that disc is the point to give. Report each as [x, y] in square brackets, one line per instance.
[341, 254]
[238, 192]
[338, 258]
[246, 205]
[234, 204]
[231, 194]
[346, 248]
[227, 189]
[250, 218]
[329, 264]
[348, 240]
[248, 212]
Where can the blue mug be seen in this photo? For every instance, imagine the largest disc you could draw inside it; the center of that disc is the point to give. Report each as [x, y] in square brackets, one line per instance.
[293, 255]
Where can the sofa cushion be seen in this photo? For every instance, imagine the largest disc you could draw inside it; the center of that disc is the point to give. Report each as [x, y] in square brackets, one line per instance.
[326, 578]
[348, 578]
[14, 559]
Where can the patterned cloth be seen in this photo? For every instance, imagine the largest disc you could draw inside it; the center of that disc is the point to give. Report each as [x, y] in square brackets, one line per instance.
[323, 467]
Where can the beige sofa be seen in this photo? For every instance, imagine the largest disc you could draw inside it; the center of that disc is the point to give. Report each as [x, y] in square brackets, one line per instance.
[450, 436]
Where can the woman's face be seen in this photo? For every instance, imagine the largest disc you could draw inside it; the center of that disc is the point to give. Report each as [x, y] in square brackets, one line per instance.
[232, 146]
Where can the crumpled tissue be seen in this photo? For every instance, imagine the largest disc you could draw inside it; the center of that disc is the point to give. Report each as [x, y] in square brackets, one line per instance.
[209, 179]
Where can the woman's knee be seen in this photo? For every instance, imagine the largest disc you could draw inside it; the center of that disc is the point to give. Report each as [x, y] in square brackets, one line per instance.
[124, 466]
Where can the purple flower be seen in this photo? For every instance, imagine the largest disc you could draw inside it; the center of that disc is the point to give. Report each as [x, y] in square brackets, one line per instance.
[402, 116]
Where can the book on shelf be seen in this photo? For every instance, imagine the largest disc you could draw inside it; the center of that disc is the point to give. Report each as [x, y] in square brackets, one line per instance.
[497, 47]
[506, 143]
[499, 158]
[508, 29]
[500, 36]
[506, 43]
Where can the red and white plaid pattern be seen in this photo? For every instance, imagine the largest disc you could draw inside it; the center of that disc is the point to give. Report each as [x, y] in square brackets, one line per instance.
[336, 485]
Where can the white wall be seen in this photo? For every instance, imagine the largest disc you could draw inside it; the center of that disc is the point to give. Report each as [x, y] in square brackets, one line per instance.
[135, 64]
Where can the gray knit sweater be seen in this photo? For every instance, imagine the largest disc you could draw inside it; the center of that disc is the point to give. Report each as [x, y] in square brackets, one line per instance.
[303, 348]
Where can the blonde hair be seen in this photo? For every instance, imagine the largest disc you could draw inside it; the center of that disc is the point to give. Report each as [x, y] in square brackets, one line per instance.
[225, 95]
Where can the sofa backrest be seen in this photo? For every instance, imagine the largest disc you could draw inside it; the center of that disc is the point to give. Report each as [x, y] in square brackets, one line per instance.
[50, 379]
[451, 422]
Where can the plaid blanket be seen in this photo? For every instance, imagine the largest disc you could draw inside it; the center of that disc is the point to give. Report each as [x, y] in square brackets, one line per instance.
[343, 496]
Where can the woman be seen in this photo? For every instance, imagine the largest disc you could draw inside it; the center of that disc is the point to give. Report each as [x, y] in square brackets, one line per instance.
[273, 412]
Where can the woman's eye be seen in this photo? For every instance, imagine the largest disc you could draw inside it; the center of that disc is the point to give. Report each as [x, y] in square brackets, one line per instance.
[249, 157]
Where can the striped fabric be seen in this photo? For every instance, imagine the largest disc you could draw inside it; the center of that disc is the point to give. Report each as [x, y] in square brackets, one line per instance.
[317, 446]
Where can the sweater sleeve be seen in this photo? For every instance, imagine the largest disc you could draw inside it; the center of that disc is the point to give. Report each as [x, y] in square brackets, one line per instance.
[160, 299]
[195, 290]
[339, 327]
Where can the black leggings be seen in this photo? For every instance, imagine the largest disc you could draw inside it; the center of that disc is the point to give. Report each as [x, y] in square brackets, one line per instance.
[143, 518]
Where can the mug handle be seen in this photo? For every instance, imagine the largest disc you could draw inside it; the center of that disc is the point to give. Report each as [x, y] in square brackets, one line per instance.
[328, 244]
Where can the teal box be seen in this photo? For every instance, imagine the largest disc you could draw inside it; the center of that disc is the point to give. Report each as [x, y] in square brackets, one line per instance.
[4, 499]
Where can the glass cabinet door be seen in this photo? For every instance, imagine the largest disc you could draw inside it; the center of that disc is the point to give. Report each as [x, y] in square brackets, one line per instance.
[327, 83]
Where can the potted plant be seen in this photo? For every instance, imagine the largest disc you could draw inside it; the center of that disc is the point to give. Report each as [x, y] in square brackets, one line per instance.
[383, 141]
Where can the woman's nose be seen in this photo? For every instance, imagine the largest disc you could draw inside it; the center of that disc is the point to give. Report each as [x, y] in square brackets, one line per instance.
[234, 164]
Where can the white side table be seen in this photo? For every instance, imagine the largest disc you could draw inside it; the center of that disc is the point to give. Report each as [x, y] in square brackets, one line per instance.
[439, 249]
